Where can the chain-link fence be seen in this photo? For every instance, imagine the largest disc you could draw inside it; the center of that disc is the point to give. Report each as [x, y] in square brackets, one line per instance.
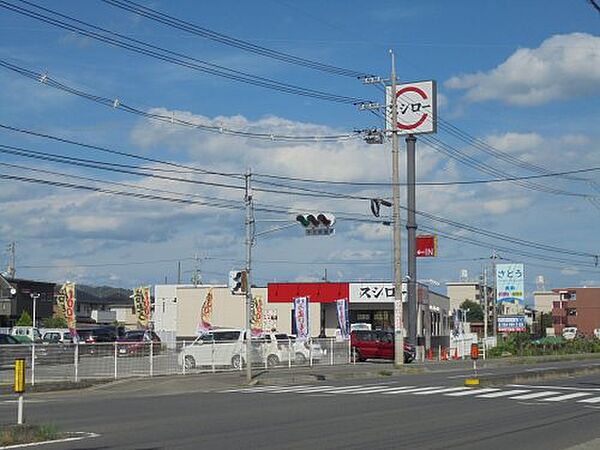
[82, 361]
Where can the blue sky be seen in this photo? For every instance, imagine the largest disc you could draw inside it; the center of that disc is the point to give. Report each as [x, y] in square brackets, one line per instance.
[521, 77]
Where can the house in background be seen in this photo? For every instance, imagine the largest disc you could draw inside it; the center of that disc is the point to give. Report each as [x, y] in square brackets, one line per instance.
[17, 295]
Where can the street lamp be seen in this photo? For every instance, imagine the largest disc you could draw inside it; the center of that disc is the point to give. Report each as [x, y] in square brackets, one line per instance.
[34, 297]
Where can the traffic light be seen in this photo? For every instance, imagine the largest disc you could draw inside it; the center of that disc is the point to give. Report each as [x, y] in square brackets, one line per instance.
[238, 281]
[317, 224]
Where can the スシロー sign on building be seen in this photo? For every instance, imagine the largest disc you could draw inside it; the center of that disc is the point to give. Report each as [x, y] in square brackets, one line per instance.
[417, 107]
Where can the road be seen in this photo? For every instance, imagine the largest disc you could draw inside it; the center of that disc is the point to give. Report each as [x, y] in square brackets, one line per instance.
[434, 412]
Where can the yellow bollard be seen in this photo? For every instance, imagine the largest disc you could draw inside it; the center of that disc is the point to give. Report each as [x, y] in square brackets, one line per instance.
[20, 387]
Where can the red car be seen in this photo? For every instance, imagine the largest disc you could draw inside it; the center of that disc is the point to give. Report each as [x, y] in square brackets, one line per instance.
[368, 344]
[137, 343]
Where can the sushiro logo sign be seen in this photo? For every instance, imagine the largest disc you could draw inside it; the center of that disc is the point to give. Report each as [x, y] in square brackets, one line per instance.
[417, 107]
[374, 292]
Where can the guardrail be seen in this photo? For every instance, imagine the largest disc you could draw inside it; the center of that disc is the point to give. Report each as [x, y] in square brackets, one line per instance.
[115, 360]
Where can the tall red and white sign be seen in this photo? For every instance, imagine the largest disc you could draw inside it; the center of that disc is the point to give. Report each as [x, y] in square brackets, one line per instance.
[417, 107]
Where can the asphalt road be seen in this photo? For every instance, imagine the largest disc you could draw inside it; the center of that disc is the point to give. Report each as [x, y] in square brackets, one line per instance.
[408, 412]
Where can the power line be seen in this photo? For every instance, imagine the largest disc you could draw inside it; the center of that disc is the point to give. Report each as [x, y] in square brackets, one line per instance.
[120, 153]
[204, 32]
[427, 183]
[160, 53]
[117, 103]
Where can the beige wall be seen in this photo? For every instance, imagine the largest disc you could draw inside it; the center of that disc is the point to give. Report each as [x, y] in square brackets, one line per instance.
[459, 292]
[542, 301]
[230, 310]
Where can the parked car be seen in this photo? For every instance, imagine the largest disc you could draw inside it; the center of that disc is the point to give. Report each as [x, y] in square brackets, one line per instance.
[570, 333]
[219, 348]
[301, 351]
[31, 332]
[138, 343]
[226, 348]
[11, 349]
[95, 341]
[377, 345]
[56, 336]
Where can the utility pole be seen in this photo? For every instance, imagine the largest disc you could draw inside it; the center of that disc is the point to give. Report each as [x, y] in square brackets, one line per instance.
[178, 272]
[411, 227]
[486, 308]
[494, 299]
[398, 319]
[11, 270]
[249, 239]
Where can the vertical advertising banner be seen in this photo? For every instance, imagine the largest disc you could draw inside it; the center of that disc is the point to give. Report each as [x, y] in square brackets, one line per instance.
[147, 304]
[256, 319]
[510, 283]
[205, 322]
[140, 310]
[301, 318]
[66, 301]
[342, 317]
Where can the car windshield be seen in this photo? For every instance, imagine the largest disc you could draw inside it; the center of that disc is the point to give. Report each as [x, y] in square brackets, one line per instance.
[134, 336]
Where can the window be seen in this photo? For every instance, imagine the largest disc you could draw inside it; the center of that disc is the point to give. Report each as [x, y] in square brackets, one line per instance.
[227, 336]
[572, 312]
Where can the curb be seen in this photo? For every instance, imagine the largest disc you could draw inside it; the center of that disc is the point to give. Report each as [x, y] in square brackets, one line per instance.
[541, 375]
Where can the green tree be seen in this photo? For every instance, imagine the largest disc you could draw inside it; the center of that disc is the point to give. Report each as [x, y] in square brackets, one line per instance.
[25, 320]
[56, 321]
[475, 311]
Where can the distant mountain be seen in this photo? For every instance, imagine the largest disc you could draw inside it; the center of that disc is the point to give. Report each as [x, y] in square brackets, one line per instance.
[103, 294]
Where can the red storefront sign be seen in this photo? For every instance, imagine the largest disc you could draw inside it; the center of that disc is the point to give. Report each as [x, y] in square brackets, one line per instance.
[317, 292]
[426, 245]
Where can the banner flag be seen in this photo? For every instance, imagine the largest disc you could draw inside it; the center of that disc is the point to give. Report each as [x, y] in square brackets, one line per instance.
[342, 317]
[140, 310]
[66, 302]
[204, 325]
[147, 305]
[256, 318]
[301, 318]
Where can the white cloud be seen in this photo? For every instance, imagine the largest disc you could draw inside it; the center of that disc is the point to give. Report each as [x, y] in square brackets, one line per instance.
[515, 142]
[563, 66]
[569, 271]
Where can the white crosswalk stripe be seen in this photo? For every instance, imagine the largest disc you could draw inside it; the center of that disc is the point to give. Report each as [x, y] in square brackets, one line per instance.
[566, 397]
[532, 392]
[534, 395]
[503, 393]
[590, 400]
[440, 391]
[472, 392]
[407, 391]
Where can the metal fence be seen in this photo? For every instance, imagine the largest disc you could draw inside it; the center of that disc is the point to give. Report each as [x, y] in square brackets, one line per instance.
[78, 362]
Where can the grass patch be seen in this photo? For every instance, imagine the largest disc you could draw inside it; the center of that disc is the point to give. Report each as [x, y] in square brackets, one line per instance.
[25, 434]
[385, 373]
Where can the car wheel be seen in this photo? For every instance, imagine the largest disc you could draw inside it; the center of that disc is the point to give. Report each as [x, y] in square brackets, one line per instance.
[272, 361]
[359, 357]
[300, 358]
[189, 362]
[236, 362]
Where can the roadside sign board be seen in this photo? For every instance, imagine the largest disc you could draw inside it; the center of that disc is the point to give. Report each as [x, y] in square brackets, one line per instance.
[510, 283]
[511, 324]
[426, 245]
[417, 107]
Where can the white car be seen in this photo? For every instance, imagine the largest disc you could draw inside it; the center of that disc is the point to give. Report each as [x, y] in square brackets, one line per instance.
[301, 351]
[569, 333]
[227, 348]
